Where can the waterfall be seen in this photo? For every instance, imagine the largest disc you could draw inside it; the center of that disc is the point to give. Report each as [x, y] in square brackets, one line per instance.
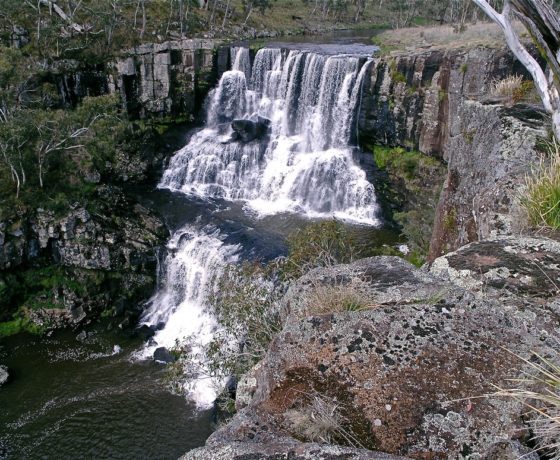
[303, 162]
[179, 309]
[306, 162]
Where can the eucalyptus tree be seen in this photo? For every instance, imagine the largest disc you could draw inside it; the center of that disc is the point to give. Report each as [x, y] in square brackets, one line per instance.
[541, 21]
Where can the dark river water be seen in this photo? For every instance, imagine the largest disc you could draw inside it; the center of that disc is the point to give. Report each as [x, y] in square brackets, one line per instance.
[70, 399]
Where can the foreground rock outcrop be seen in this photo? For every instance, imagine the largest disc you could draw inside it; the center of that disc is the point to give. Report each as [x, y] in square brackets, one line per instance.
[409, 369]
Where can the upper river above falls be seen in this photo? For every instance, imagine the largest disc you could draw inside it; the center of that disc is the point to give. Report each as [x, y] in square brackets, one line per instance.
[224, 199]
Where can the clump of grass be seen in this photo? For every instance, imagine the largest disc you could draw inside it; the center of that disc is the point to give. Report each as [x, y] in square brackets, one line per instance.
[513, 88]
[320, 419]
[542, 196]
[336, 299]
[543, 401]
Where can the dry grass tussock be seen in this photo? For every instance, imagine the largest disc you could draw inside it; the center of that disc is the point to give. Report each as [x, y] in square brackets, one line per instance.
[320, 419]
[541, 199]
[483, 34]
[513, 88]
[325, 299]
[539, 390]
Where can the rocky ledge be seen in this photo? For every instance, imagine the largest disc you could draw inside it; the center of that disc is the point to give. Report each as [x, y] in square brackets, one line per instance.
[409, 371]
[91, 259]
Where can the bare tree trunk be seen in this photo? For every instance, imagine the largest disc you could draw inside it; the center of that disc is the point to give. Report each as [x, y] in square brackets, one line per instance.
[60, 12]
[543, 25]
[226, 14]
[248, 14]
[170, 17]
[143, 19]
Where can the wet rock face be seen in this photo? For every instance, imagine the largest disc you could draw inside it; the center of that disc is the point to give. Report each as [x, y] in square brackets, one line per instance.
[407, 373]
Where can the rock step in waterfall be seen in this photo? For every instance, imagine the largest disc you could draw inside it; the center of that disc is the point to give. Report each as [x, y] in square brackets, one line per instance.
[278, 136]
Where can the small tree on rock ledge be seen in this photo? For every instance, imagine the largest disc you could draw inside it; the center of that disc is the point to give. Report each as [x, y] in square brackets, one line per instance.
[543, 25]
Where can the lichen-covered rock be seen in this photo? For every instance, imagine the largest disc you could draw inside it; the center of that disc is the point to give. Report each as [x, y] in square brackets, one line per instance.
[490, 151]
[514, 268]
[284, 448]
[408, 373]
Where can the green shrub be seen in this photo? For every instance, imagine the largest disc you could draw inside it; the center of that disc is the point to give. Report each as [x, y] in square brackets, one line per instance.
[319, 244]
[541, 198]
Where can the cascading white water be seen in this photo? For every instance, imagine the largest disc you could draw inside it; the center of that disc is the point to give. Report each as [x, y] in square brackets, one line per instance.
[306, 164]
[179, 309]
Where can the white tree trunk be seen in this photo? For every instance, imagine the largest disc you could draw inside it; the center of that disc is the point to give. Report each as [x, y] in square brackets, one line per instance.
[58, 10]
[547, 91]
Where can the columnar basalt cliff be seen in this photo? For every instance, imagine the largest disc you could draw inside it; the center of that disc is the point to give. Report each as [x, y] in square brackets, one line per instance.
[153, 80]
[439, 103]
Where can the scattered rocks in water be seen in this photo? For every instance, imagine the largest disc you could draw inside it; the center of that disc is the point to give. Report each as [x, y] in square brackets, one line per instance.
[145, 332]
[164, 356]
[4, 375]
[82, 336]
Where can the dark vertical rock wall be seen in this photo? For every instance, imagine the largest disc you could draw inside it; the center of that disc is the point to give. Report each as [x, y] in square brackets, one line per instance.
[438, 102]
[154, 80]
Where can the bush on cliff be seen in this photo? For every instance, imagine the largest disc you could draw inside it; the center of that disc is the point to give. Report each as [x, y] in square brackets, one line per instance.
[319, 244]
[413, 186]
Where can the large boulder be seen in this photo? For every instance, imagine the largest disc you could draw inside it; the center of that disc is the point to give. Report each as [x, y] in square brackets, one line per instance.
[408, 371]
[249, 130]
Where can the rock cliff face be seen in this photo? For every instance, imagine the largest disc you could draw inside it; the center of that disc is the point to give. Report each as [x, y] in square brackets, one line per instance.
[411, 99]
[154, 80]
[438, 103]
[96, 261]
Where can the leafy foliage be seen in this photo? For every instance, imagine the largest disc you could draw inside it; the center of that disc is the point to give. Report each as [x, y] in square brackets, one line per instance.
[418, 180]
[319, 244]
